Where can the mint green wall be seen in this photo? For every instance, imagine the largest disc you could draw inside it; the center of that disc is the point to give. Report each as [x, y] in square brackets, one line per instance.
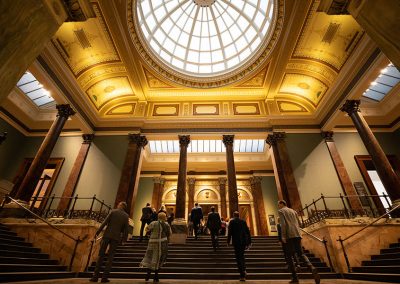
[313, 168]
[270, 196]
[102, 170]
[144, 195]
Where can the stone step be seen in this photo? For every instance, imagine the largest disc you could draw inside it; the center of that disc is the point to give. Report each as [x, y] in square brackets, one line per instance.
[15, 242]
[380, 262]
[26, 260]
[394, 245]
[11, 237]
[31, 267]
[12, 253]
[4, 246]
[378, 277]
[7, 232]
[391, 250]
[32, 276]
[391, 269]
[385, 256]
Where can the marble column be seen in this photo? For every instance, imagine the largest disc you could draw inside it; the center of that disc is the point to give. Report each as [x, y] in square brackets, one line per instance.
[35, 171]
[278, 172]
[222, 192]
[285, 171]
[157, 192]
[184, 141]
[261, 217]
[26, 27]
[389, 178]
[75, 173]
[344, 178]
[191, 189]
[230, 165]
[130, 174]
[3, 137]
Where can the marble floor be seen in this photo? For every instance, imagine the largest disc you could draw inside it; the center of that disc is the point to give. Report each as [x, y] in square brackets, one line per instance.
[130, 281]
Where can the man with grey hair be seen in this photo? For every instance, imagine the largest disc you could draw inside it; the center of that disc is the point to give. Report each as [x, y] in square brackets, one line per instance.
[291, 238]
[117, 227]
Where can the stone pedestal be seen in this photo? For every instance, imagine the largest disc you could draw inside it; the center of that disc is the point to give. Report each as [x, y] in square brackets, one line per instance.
[179, 230]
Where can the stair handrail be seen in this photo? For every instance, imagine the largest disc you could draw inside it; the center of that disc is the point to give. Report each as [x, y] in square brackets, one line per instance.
[360, 230]
[76, 240]
[324, 241]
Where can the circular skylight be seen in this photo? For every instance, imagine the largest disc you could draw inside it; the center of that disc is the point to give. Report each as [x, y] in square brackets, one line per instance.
[205, 37]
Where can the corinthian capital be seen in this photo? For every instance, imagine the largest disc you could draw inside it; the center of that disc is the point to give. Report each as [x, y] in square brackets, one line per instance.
[351, 106]
[65, 110]
[228, 140]
[184, 140]
[141, 141]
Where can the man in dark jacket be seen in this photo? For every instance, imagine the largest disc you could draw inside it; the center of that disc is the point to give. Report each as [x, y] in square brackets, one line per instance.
[196, 215]
[146, 218]
[214, 225]
[117, 227]
[239, 232]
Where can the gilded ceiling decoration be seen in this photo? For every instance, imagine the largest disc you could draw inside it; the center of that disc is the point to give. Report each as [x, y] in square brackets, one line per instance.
[154, 82]
[289, 106]
[257, 81]
[84, 45]
[246, 108]
[123, 109]
[303, 86]
[328, 39]
[186, 76]
[109, 89]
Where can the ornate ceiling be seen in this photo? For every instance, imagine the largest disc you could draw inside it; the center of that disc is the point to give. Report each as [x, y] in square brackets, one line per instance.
[311, 62]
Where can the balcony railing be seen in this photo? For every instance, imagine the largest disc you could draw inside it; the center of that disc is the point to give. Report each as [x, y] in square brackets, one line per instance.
[331, 207]
[79, 207]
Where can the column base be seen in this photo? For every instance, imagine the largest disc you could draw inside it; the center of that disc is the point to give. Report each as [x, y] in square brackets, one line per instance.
[15, 211]
[179, 230]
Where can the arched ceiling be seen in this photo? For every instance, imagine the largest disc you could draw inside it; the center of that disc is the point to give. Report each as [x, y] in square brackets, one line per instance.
[297, 78]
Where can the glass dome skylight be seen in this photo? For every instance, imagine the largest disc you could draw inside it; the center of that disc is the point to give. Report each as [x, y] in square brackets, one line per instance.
[205, 37]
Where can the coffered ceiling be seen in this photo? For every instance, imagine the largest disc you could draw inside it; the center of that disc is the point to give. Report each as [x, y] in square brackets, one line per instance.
[298, 79]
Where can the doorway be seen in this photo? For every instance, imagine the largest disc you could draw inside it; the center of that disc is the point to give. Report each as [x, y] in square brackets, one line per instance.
[245, 214]
[207, 209]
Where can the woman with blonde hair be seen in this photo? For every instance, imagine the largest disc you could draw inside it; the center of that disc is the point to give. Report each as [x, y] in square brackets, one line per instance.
[157, 249]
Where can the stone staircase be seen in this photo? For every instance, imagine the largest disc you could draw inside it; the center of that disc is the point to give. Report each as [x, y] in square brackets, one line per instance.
[20, 261]
[384, 267]
[197, 260]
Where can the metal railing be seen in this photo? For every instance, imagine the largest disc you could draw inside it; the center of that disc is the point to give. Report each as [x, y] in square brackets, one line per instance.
[97, 211]
[360, 230]
[76, 240]
[324, 241]
[338, 207]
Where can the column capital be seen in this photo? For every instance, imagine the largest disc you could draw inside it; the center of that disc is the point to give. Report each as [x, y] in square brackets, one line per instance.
[141, 141]
[191, 181]
[351, 106]
[184, 140]
[3, 137]
[159, 180]
[222, 180]
[228, 139]
[79, 10]
[275, 137]
[334, 7]
[87, 138]
[327, 135]
[65, 110]
[255, 180]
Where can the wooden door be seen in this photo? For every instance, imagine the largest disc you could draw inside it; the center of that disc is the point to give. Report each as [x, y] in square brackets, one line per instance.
[245, 214]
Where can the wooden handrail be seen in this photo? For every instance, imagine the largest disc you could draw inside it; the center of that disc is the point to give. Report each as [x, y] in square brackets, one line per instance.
[312, 235]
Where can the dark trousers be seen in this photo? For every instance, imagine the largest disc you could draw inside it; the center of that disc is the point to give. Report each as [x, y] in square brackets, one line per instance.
[144, 222]
[239, 255]
[293, 247]
[214, 238]
[112, 244]
[196, 225]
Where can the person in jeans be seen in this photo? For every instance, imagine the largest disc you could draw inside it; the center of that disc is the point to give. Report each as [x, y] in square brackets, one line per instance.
[290, 227]
[239, 232]
[117, 227]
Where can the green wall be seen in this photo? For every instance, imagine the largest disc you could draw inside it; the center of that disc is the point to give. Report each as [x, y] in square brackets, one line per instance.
[270, 196]
[144, 195]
